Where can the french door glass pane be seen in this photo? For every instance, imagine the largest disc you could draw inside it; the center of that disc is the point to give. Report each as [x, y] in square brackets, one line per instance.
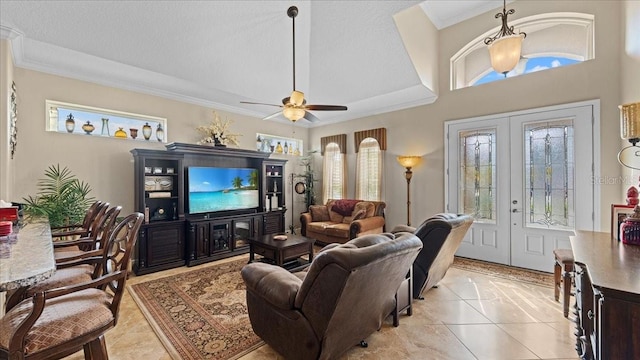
[477, 182]
[549, 169]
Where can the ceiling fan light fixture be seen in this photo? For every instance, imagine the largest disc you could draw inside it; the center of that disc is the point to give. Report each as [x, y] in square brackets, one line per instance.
[292, 113]
[297, 98]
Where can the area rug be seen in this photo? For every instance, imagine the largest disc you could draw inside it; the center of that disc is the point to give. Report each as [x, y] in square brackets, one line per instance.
[503, 271]
[199, 314]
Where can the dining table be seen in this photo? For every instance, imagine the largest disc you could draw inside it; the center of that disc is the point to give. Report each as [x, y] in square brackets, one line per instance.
[26, 255]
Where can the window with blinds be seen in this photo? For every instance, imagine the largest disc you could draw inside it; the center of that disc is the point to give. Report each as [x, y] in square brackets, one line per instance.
[369, 170]
[334, 173]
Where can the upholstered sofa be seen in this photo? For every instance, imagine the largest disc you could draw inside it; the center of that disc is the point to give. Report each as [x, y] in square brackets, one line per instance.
[339, 221]
[344, 297]
[441, 236]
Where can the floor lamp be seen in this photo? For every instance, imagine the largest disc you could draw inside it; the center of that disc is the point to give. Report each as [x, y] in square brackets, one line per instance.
[408, 162]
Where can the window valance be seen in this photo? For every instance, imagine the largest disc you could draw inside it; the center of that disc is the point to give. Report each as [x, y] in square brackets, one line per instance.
[340, 139]
[379, 134]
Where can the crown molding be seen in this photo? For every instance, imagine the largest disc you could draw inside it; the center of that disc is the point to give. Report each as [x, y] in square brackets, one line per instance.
[39, 56]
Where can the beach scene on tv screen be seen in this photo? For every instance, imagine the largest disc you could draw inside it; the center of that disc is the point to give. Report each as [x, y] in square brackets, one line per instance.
[218, 189]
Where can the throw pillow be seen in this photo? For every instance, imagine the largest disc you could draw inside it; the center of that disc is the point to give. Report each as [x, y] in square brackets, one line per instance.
[367, 206]
[319, 213]
[360, 214]
[344, 207]
[333, 216]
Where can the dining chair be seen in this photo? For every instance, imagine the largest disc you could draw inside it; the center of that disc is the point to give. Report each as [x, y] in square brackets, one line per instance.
[73, 266]
[65, 251]
[80, 230]
[59, 322]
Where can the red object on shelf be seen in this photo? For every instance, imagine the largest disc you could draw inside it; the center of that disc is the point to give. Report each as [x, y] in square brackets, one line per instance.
[9, 213]
[6, 227]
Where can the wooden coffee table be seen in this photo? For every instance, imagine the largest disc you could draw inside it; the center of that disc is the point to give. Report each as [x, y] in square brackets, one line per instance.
[284, 253]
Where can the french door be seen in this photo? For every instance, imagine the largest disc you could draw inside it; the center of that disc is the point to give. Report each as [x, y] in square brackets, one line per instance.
[526, 178]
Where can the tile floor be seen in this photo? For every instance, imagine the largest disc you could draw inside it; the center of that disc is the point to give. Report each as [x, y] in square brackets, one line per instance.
[469, 316]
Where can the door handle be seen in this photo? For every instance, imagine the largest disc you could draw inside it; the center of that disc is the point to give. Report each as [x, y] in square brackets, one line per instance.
[515, 211]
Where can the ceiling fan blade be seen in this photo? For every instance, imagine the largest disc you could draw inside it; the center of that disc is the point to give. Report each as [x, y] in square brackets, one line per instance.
[257, 103]
[309, 116]
[326, 107]
[276, 114]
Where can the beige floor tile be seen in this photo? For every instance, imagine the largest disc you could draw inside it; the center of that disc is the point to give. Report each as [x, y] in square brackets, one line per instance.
[440, 293]
[443, 326]
[447, 312]
[545, 341]
[518, 309]
[488, 341]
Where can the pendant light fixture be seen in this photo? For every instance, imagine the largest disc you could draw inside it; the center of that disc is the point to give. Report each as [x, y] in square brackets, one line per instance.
[505, 47]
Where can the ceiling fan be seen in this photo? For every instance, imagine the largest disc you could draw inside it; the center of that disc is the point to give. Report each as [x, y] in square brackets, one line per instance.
[294, 107]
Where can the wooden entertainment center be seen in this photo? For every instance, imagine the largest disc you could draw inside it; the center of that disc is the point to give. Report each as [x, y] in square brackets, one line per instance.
[172, 236]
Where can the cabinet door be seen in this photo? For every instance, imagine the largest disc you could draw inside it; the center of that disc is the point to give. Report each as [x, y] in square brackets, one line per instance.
[201, 240]
[245, 229]
[165, 244]
[219, 240]
[273, 222]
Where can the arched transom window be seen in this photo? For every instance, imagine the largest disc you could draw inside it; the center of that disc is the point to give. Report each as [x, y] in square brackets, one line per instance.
[553, 40]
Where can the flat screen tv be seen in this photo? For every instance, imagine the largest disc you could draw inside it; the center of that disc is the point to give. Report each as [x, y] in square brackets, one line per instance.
[212, 189]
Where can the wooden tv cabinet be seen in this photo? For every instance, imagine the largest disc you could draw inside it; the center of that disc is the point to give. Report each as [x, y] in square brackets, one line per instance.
[607, 297]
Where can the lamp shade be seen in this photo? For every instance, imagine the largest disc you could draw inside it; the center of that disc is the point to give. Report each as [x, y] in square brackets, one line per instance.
[408, 161]
[630, 122]
[293, 114]
[296, 98]
[505, 53]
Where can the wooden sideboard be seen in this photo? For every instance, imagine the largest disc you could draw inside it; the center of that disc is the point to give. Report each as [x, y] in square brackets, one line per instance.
[607, 297]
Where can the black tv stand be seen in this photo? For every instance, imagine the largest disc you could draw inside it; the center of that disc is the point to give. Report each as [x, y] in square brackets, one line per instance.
[171, 238]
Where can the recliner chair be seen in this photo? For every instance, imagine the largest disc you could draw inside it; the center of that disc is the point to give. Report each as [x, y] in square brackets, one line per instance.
[345, 295]
[441, 236]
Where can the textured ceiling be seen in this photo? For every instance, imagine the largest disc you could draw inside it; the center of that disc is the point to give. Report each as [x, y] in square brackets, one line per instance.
[218, 53]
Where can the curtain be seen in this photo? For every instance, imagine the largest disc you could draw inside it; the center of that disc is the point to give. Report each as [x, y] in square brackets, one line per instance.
[369, 170]
[334, 183]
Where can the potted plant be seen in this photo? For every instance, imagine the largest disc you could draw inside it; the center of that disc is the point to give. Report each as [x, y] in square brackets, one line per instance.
[61, 197]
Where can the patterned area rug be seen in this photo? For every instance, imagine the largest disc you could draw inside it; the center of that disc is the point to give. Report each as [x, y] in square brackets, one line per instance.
[503, 271]
[200, 314]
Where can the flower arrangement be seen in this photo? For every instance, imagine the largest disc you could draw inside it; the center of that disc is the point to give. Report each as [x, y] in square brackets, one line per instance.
[218, 132]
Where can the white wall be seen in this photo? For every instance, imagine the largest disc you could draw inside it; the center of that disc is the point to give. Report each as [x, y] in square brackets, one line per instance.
[419, 131]
[106, 163]
[6, 78]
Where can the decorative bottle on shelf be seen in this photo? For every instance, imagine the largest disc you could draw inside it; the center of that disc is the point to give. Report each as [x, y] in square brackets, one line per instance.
[133, 132]
[279, 148]
[286, 148]
[88, 128]
[70, 124]
[630, 228]
[121, 134]
[275, 187]
[160, 133]
[105, 127]
[146, 131]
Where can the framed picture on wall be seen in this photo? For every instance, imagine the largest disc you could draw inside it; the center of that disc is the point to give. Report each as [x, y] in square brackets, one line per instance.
[619, 212]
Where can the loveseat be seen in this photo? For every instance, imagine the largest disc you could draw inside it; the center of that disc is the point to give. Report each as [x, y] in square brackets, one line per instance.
[344, 297]
[339, 221]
